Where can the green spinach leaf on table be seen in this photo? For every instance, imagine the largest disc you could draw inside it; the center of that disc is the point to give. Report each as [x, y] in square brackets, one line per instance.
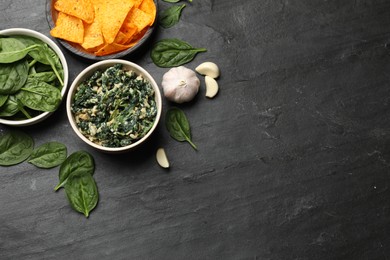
[76, 176]
[15, 147]
[178, 126]
[171, 16]
[173, 52]
[77, 163]
[48, 155]
[82, 193]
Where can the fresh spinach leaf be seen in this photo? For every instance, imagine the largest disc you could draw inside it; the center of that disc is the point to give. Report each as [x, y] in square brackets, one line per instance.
[39, 96]
[3, 99]
[82, 193]
[13, 50]
[46, 76]
[22, 109]
[170, 16]
[13, 76]
[178, 126]
[48, 155]
[43, 54]
[10, 107]
[49, 57]
[173, 52]
[78, 163]
[15, 147]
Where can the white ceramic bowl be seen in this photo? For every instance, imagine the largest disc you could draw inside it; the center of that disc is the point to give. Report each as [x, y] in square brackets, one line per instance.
[101, 65]
[57, 50]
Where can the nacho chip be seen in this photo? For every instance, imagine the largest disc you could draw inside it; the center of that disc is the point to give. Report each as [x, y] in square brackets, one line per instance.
[115, 12]
[137, 37]
[95, 49]
[141, 19]
[138, 18]
[93, 36]
[128, 32]
[136, 3]
[99, 8]
[68, 28]
[82, 9]
[112, 48]
[121, 38]
[149, 7]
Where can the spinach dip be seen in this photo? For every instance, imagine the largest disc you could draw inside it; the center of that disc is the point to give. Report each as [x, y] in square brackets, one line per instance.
[114, 107]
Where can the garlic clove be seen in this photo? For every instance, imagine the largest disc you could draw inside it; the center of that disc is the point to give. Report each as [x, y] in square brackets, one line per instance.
[211, 87]
[208, 68]
[162, 158]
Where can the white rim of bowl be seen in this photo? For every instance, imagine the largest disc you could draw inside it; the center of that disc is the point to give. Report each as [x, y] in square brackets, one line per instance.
[47, 40]
[88, 72]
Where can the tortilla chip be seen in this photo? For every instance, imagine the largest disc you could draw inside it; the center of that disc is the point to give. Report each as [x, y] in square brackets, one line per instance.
[99, 8]
[93, 36]
[149, 7]
[136, 3]
[127, 32]
[112, 48]
[138, 18]
[121, 38]
[82, 9]
[137, 37]
[115, 12]
[68, 28]
[95, 49]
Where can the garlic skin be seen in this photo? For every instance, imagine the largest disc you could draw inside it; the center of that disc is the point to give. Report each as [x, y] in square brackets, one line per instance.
[208, 68]
[180, 84]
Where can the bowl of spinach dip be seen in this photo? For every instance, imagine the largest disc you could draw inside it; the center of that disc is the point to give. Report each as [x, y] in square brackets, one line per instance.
[114, 105]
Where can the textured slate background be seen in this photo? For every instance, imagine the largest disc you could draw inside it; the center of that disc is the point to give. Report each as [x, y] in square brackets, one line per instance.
[293, 159]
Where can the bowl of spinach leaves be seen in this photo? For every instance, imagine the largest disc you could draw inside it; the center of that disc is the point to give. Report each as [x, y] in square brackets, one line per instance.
[114, 105]
[33, 77]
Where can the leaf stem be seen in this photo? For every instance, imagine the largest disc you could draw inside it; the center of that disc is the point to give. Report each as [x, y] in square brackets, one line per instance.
[201, 49]
[32, 63]
[56, 72]
[24, 112]
[191, 143]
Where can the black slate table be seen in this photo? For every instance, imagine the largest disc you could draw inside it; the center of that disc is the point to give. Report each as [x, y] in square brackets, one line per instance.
[293, 159]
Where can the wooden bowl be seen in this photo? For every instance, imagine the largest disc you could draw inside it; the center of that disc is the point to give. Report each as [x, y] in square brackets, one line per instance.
[51, 16]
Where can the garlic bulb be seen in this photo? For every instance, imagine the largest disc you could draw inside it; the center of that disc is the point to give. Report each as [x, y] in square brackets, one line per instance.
[180, 84]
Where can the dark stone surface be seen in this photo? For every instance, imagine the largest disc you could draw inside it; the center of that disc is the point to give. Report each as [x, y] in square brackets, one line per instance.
[293, 159]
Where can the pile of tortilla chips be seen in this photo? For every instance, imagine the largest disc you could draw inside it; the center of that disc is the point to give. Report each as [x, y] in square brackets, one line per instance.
[103, 27]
